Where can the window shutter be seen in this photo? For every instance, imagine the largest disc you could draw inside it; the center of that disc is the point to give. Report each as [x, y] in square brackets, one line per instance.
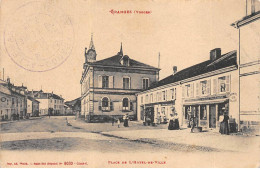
[191, 90]
[129, 82]
[90, 81]
[183, 91]
[227, 83]
[175, 93]
[99, 105]
[111, 106]
[215, 86]
[131, 106]
[208, 87]
[111, 82]
[197, 89]
[99, 81]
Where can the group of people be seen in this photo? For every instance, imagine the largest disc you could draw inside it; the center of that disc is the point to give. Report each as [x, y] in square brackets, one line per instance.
[173, 122]
[125, 119]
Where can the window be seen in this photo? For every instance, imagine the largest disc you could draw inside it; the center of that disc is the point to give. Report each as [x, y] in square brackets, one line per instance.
[125, 61]
[105, 81]
[188, 90]
[105, 103]
[164, 95]
[145, 83]
[126, 83]
[125, 104]
[203, 112]
[173, 91]
[222, 84]
[203, 85]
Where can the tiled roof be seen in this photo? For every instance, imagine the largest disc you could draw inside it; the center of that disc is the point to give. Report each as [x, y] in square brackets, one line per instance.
[115, 61]
[226, 60]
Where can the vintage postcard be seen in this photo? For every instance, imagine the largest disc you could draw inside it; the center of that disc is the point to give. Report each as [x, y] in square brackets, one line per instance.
[128, 83]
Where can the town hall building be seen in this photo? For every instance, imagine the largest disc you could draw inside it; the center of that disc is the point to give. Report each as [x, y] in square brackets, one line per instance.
[109, 86]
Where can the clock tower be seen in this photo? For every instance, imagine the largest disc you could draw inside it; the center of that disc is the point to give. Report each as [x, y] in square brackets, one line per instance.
[90, 54]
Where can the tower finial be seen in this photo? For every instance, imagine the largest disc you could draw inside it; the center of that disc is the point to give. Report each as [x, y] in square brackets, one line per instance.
[91, 45]
[121, 50]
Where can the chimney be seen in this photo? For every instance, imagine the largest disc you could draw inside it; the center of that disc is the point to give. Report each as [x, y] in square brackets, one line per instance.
[174, 68]
[215, 54]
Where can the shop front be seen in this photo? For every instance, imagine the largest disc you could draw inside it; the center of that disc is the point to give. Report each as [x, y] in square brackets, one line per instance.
[207, 111]
[159, 113]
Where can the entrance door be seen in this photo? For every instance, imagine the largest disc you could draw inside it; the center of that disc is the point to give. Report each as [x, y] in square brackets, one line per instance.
[212, 116]
[142, 112]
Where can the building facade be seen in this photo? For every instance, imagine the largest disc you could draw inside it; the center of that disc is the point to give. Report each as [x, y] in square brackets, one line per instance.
[13, 101]
[32, 107]
[50, 103]
[108, 86]
[206, 91]
[249, 66]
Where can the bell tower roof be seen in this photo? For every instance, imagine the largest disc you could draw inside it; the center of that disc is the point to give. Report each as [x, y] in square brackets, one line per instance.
[91, 45]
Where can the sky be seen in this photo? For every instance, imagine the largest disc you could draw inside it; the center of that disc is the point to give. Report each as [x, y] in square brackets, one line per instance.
[183, 31]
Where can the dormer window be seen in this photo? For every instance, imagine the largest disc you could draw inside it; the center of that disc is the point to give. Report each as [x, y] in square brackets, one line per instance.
[125, 61]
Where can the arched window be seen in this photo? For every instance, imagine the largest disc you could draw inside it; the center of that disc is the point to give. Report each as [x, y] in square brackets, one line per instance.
[126, 104]
[105, 102]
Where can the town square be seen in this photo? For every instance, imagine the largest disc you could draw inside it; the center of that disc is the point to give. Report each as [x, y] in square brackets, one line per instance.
[155, 87]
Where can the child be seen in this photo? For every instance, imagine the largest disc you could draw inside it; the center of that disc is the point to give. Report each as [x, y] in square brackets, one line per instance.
[118, 123]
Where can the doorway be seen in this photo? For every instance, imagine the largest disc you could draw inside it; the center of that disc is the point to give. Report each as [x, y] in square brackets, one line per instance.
[212, 116]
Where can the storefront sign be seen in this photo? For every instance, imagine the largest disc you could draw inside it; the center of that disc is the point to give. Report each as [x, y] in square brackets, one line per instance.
[206, 98]
[233, 97]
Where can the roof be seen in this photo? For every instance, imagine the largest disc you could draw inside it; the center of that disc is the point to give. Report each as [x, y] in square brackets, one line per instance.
[32, 99]
[115, 61]
[226, 60]
[44, 95]
[73, 102]
[246, 20]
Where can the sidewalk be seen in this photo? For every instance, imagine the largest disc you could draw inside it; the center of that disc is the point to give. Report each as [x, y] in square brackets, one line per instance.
[161, 135]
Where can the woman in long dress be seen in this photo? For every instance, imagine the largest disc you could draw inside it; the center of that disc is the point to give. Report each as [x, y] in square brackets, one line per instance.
[171, 123]
[224, 129]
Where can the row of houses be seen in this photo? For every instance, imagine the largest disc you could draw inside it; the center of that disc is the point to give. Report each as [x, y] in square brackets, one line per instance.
[227, 83]
[19, 103]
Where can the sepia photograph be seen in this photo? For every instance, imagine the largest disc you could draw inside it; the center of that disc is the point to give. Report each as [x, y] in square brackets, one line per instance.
[130, 84]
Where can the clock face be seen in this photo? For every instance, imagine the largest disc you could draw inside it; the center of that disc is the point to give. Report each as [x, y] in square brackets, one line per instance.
[91, 54]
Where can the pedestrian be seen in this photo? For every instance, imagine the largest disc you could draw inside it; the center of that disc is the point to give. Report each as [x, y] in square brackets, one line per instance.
[112, 121]
[170, 126]
[118, 123]
[125, 120]
[224, 129]
[176, 121]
